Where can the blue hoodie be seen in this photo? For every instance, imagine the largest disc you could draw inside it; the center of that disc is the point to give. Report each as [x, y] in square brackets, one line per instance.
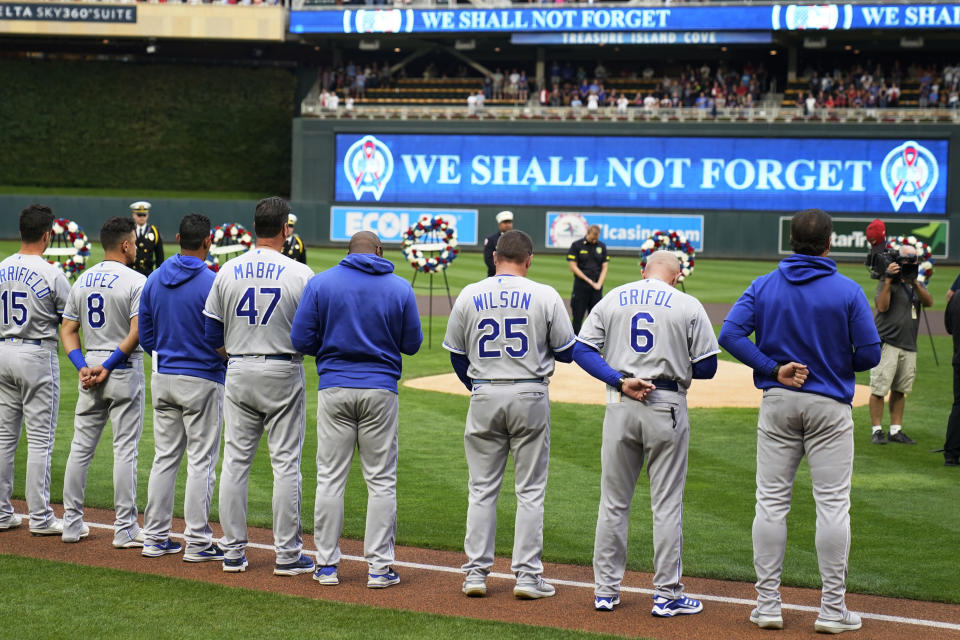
[356, 319]
[804, 312]
[171, 319]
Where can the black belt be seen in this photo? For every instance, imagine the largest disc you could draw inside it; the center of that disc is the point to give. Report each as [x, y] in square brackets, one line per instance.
[286, 357]
[665, 384]
[23, 340]
[521, 381]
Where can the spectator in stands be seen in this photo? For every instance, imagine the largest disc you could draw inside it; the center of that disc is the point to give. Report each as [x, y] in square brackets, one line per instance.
[513, 82]
[480, 99]
[472, 104]
[523, 87]
[622, 104]
[497, 79]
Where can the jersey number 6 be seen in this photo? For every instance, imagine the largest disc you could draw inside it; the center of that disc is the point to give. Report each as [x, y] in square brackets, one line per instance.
[247, 307]
[641, 339]
[512, 330]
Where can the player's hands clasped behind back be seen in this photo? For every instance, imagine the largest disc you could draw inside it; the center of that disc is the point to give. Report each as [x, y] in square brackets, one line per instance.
[91, 377]
[793, 374]
[637, 388]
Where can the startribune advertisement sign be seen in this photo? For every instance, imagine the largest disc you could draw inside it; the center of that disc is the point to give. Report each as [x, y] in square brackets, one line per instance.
[850, 235]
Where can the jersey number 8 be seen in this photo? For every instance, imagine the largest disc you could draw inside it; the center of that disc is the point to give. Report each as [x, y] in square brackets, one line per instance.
[512, 330]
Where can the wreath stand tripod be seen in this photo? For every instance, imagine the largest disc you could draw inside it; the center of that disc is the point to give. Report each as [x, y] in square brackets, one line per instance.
[446, 285]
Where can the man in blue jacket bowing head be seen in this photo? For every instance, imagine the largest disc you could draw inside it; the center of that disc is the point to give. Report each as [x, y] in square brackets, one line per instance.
[356, 319]
[814, 330]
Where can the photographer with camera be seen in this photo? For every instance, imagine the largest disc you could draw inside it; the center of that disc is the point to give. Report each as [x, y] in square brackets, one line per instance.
[899, 299]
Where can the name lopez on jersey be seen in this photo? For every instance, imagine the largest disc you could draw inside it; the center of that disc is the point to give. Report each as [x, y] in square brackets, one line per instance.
[29, 277]
[97, 279]
[646, 297]
[506, 299]
[267, 270]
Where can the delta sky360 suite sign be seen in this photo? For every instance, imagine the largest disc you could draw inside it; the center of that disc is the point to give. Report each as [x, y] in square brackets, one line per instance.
[869, 176]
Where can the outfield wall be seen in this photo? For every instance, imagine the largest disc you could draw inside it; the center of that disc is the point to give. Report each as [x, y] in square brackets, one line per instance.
[329, 211]
[740, 179]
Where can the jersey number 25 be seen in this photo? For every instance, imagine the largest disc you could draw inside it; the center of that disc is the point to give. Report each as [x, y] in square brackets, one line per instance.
[512, 332]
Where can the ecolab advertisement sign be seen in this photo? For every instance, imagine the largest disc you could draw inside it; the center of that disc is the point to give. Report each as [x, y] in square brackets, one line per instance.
[391, 223]
[868, 176]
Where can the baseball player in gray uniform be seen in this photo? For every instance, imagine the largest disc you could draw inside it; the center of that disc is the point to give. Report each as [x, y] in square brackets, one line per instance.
[504, 334]
[813, 330]
[187, 391]
[33, 294]
[249, 312]
[654, 340]
[105, 302]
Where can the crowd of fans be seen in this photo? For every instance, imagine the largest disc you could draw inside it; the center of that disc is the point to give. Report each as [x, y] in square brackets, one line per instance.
[874, 86]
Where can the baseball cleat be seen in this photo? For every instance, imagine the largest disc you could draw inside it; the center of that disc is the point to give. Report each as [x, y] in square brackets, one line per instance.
[161, 549]
[382, 580]
[12, 522]
[667, 608]
[213, 552]
[879, 437]
[327, 575]
[849, 622]
[54, 529]
[474, 588]
[303, 564]
[606, 603]
[132, 542]
[235, 565]
[765, 620]
[901, 437]
[84, 532]
[534, 590]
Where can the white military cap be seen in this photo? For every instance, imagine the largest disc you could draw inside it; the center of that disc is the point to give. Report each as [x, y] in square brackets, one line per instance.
[504, 216]
[291, 219]
[141, 206]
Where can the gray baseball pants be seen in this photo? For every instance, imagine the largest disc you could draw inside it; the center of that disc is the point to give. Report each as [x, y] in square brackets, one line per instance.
[187, 414]
[658, 431]
[792, 424]
[29, 395]
[263, 396]
[505, 419]
[365, 419]
[119, 398]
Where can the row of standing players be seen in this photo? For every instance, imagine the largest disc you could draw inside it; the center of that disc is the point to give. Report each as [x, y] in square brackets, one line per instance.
[149, 241]
[645, 340]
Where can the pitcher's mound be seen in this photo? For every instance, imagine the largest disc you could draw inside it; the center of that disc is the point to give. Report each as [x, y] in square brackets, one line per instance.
[731, 387]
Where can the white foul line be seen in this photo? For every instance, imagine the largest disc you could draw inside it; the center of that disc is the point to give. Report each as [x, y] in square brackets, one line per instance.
[589, 585]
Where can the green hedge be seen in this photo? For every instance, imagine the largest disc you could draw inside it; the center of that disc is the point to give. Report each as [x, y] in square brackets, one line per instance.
[110, 124]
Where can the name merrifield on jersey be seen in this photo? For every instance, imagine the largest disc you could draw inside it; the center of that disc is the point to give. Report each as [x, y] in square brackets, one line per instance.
[646, 297]
[506, 299]
[97, 279]
[33, 280]
[267, 270]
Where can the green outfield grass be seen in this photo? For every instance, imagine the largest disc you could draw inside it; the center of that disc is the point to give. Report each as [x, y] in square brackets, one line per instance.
[58, 600]
[904, 500]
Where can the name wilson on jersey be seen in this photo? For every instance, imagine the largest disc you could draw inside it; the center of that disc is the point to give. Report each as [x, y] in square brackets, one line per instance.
[506, 299]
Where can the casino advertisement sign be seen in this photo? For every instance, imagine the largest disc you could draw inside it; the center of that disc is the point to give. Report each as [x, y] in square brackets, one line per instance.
[840, 175]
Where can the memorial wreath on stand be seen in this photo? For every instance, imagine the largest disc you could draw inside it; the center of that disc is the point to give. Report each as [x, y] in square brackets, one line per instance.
[430, 244]
[69, 248]
[670, 241]
[229, 241]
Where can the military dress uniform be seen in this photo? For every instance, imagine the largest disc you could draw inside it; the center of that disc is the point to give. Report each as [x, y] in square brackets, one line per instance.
[149, 243]
[293, 246]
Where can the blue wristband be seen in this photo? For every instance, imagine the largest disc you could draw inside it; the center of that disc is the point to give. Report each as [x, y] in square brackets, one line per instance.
[76, 357]
[117, 357]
